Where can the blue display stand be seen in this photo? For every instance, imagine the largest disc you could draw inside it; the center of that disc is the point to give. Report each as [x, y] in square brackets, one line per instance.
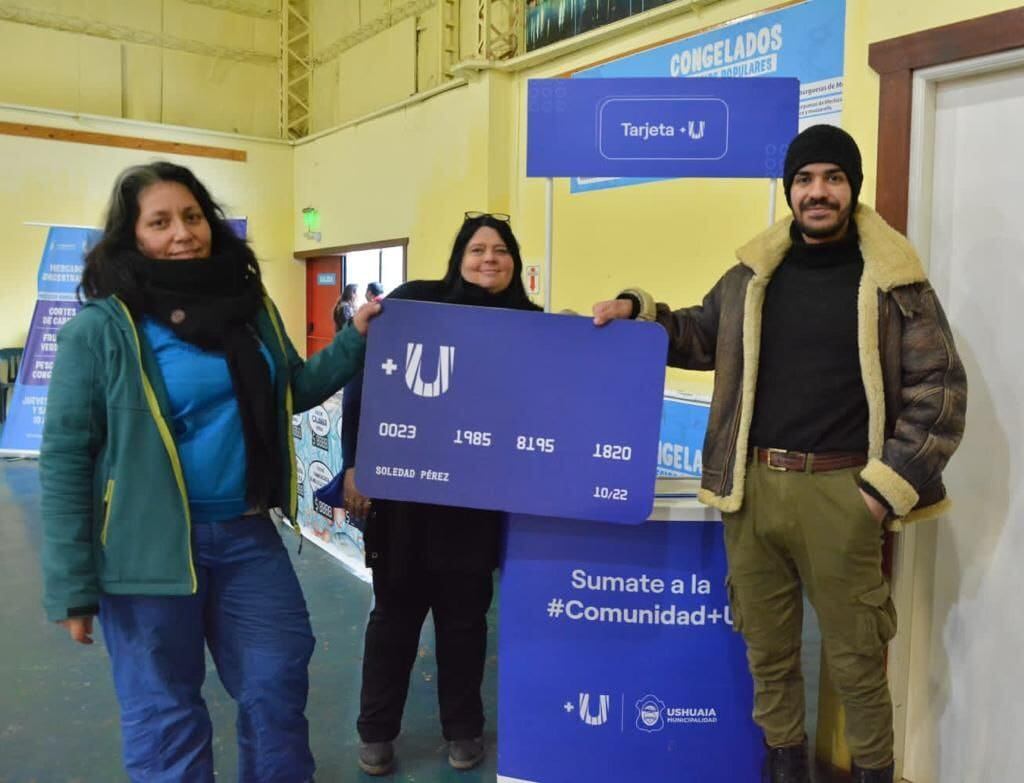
[617, 658]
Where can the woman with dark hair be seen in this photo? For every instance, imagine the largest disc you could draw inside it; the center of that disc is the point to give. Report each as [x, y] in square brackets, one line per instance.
[432, 558]
[167, 440]
[345, 308]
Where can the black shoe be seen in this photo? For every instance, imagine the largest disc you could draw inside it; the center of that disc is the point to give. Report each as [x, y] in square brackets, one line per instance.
[786, 765]
[465, 753]
[376, 758]
[883, 775]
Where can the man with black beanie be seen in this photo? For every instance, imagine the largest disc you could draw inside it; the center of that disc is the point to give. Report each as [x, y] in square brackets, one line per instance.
[839, 397]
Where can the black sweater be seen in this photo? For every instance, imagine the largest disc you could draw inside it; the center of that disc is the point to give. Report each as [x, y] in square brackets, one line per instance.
[810, 392]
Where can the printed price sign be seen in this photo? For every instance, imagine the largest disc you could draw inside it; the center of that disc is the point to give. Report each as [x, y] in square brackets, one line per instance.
[512, 411]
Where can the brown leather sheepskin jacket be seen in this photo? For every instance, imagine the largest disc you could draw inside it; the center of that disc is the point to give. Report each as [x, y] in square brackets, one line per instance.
[915, 383]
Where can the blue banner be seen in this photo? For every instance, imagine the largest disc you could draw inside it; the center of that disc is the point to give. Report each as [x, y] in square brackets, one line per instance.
[56, 303]
[240, 226]
[512, 411]
[642, 677]
[804, 41]
[659, 127]
[684, 421]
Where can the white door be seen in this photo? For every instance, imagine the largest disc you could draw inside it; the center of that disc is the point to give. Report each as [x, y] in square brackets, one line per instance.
[964, 697]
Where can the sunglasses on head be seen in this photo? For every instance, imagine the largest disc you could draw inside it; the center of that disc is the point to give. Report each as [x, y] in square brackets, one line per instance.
[496, 215]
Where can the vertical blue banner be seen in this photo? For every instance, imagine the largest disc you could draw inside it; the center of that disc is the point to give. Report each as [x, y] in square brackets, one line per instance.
[56, 303]
[618, 660]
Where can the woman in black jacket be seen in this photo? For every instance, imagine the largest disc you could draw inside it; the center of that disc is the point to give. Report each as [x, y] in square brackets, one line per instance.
[432, 558]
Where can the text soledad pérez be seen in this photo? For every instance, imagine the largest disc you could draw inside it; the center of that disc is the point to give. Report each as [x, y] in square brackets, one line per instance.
[411, 473]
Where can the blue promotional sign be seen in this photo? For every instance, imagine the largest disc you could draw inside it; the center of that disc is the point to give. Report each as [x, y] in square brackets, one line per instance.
[654, 129]
[684, 421]
[512, 411]
[804, 41]
[60, 271]
[641, 676]
[240, 226]
[660, 127]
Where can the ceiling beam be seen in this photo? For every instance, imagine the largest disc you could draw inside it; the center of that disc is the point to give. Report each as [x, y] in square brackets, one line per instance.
[75, 24]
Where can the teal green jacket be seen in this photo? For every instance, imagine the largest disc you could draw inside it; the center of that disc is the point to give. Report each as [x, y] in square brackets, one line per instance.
[115, 506]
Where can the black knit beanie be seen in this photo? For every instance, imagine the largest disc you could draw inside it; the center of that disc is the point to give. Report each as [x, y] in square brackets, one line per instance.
[824, 144]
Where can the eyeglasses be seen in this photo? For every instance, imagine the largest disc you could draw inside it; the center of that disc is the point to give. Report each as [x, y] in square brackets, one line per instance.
[496, 215]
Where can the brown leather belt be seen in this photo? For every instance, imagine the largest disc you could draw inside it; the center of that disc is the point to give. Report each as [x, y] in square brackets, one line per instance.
[780, 459]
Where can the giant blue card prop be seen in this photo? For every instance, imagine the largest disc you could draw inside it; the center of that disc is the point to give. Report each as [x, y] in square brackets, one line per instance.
[512, 411]
[660, 127]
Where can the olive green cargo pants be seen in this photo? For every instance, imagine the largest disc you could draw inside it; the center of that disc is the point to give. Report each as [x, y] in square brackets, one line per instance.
[812, 531]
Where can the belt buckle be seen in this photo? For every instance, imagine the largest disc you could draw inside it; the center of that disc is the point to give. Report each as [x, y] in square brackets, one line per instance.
[780, 468]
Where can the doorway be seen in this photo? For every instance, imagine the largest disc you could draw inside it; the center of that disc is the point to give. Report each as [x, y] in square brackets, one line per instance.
[323, 286]
[330, 270]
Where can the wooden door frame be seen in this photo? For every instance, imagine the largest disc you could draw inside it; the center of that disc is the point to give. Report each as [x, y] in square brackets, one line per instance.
[895, 61]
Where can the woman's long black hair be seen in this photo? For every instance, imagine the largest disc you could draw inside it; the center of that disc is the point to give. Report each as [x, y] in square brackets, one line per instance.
[108, 270]
[453, 277]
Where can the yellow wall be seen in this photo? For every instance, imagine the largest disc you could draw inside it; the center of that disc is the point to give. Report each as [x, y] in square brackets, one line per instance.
[342, 89]
[60, 182]
[111, 73]
[385, 60]
[410, 174]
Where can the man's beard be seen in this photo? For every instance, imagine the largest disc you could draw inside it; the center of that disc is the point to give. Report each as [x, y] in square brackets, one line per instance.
[832, 231]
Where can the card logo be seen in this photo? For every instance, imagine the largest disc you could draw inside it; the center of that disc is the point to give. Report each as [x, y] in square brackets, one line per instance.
[601, 716]
[414, 370]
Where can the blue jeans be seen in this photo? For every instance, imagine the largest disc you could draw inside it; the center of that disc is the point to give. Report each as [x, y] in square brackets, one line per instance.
[250, 611]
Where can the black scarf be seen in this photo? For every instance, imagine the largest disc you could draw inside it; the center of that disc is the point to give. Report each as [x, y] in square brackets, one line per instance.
[211, 303]
[465, 293]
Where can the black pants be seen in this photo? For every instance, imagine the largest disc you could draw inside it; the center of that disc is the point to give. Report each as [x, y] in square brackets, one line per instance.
[459, 604]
